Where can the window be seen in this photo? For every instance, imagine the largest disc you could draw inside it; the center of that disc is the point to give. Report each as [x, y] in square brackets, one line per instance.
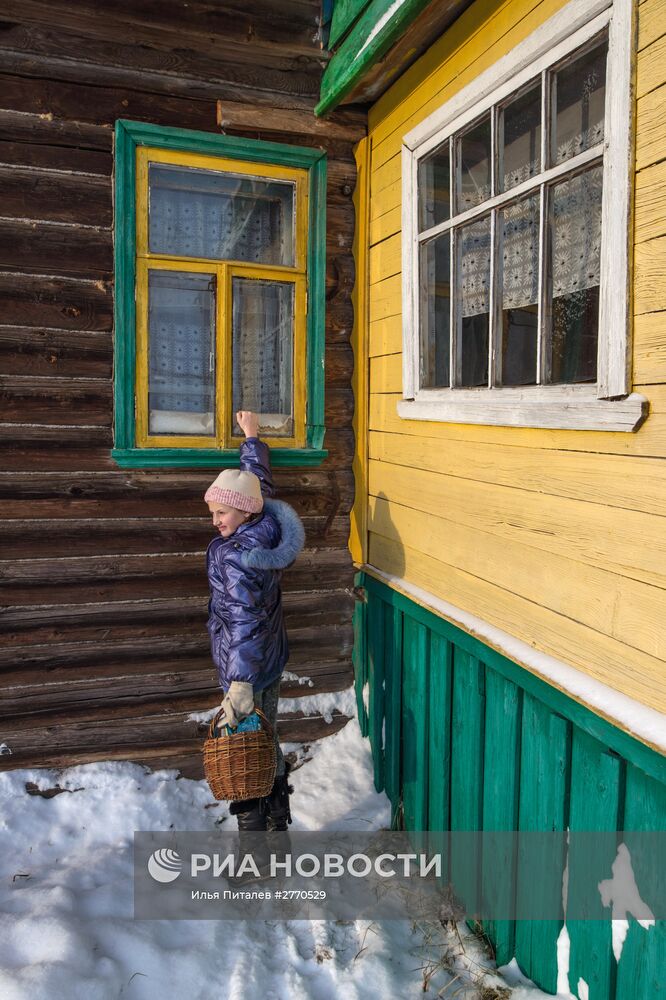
[516, 208]
[219, 297]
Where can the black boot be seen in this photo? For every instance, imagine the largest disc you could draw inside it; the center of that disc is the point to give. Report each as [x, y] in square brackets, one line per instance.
[277, 802]
[251, 816]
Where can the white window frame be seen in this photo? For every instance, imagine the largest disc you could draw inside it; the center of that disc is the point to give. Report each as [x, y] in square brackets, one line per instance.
[609, 403]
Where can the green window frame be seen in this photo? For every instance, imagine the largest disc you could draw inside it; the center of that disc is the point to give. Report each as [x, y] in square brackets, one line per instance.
[130, 135]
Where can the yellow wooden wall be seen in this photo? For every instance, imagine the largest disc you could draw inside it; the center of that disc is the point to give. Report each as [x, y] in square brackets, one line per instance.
[557, 537]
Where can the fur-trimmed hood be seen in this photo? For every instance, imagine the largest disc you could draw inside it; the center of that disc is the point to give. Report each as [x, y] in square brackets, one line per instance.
[292, 539]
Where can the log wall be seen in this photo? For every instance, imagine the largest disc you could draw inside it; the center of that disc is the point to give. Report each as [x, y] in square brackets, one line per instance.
[105, 651]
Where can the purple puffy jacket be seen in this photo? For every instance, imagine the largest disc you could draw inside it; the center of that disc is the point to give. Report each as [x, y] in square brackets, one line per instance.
[245, 621]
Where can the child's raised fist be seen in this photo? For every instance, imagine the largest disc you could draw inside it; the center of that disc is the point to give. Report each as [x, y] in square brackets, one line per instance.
[248, 422]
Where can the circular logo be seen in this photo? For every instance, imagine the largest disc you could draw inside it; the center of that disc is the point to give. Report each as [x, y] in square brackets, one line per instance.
[164, 865]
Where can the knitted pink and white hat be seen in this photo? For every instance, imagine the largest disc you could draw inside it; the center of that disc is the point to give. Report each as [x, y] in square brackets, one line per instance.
[237, 488]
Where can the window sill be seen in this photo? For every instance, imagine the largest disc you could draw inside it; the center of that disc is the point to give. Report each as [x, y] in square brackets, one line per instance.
[555, 407]
[209, 458]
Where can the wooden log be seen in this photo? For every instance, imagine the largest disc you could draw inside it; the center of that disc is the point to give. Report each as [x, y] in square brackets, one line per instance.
[26, 539]
[79, 569]
[42, 157]
[241, 115]
[300, 730]
[109, 578]
[27, 245]
[308, 490]
[25, 350]
[261, 35]
[331, 660]
[53, 448]
[55, 401]
[124, 732]
[42, 130]
[56, 196]
[53, 623]
[70, 93]
[46, 300]
[37, 703]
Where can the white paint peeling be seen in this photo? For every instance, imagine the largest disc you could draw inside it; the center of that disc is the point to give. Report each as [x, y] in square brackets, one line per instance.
[383, 20]
[622, 894]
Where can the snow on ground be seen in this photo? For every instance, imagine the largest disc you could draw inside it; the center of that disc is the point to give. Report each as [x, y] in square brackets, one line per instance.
[66, 897]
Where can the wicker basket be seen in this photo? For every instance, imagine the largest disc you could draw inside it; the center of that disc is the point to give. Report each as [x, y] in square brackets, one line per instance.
[240, 765]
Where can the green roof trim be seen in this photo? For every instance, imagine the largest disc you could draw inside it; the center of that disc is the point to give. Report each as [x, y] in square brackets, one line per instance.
[376, 30]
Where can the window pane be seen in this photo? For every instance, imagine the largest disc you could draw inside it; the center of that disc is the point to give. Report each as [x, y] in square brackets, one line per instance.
[262, 354]
[520, 139]
[433, 185]
[519, 256]
[181, 366]
[474, 242]
[435, 285]
[474, 165]
[578, 105]
[220, 216]
[576, 251]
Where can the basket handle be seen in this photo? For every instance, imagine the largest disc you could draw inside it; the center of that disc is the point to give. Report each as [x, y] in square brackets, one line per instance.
[220, 712]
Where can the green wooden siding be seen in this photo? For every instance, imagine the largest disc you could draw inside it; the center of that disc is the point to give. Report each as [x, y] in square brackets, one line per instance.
[465, 739]
[129, 135]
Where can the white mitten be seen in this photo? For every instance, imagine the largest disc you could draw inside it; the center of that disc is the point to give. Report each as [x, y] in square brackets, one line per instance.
[238, 703]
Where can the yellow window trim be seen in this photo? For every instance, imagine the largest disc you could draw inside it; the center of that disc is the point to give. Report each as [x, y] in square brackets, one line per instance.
[224, 272]
[262, 171]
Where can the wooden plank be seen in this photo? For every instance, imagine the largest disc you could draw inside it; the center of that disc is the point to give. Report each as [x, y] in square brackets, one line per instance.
[582, 593]
[393, 760]
[649, 209]
[640, 970]
[632, 483]
[385, 336]
[414, 725]
[650, 128]
[501, 752]
[439, 738]
[598, 656]
[385, 224]
[631, 544]
[386, 259]
[466, 796]
[375, 681]
[651, 22]
[360, 657]
[650, 72]
[544, 781]
[649, 353]
[649, 275]
[648, 441]
[595, 804]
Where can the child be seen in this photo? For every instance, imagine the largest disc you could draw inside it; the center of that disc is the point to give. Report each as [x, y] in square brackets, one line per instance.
[258, 538]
